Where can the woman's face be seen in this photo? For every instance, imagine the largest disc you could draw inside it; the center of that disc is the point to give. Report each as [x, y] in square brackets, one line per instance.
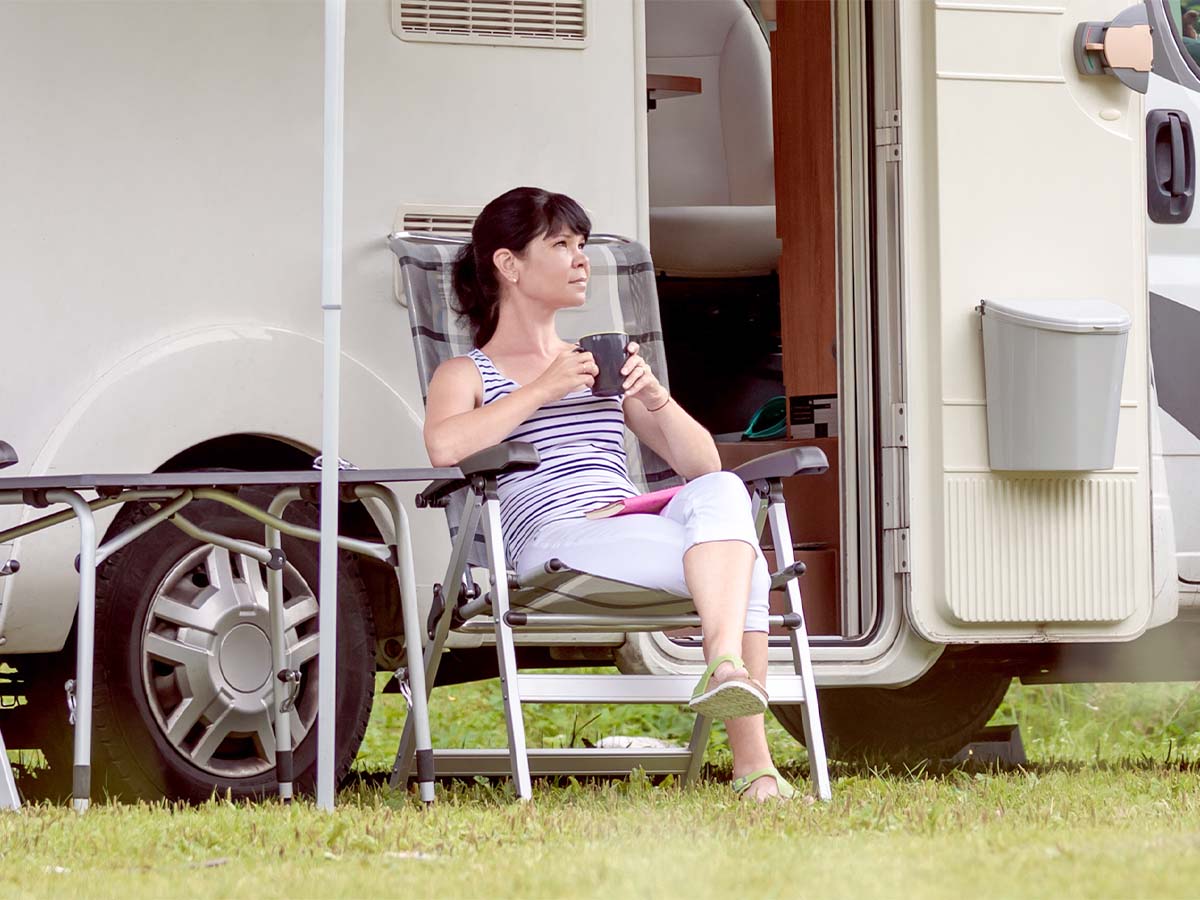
[553, 270]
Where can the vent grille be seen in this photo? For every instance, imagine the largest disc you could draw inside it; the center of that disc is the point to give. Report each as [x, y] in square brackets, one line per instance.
[1022, 549]
[441, 223]
[555, 23]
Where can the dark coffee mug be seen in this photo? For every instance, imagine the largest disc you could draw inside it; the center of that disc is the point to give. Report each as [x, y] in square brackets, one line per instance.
[608, 349]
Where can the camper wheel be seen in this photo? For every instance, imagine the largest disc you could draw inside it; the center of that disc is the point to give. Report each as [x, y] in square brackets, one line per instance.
[183, 693]
[931, 719]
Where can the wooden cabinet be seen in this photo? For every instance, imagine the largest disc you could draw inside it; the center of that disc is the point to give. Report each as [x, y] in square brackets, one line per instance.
[806, 210]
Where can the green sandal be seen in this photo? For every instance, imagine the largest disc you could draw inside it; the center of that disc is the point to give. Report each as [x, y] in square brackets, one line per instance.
[731, 699]
[741, 785]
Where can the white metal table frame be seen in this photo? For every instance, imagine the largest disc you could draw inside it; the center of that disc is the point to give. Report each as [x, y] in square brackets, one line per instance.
[169, 494]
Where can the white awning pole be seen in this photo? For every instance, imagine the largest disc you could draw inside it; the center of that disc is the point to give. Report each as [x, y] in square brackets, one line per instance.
[331, 304]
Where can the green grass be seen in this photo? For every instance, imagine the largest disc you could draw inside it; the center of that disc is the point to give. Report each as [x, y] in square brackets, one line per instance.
[1108, 807]
[1059, 723]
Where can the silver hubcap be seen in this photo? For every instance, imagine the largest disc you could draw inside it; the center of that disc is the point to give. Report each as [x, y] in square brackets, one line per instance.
[206, 661]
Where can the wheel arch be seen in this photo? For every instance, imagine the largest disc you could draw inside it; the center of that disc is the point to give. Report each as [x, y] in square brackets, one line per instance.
[263, 385]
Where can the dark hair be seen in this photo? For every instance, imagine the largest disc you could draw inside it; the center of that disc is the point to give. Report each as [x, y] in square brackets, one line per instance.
[509, 222]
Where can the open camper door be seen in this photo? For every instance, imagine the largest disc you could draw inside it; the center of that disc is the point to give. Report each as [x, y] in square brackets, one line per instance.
[1024, 187]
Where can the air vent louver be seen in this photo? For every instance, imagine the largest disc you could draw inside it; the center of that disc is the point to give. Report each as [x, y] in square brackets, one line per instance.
[441, 223]
[539, 23]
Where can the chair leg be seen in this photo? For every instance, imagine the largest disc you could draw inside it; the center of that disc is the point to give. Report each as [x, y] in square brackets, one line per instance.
[9, 798]
[418, 711]
[810, 716]
[696, 747]
[505, 648]
[814, 737]
[406, 750]
[284, 763]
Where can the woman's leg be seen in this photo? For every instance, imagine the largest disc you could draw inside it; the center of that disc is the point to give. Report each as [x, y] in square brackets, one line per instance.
[719, 574]
[711, 569]
[708, 526]
[720, 563]
[748, 735]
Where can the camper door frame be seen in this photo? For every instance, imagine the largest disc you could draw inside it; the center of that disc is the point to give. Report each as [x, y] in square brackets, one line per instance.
[886, 650]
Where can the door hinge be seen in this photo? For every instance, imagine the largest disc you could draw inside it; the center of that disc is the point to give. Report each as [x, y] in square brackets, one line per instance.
[899, 435]
[893, 492]
[899, 539]
[887, 136]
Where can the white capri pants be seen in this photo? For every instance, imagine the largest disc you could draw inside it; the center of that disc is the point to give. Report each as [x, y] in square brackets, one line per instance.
[648, 550]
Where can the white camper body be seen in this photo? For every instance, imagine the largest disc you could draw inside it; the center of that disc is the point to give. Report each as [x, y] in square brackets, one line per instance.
[160, 278]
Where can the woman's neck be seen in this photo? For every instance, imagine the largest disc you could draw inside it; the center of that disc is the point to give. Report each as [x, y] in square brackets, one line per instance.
[523, 329]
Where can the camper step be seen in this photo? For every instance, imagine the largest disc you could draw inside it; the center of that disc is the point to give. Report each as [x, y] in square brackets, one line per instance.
[572, 761]
[635, 688]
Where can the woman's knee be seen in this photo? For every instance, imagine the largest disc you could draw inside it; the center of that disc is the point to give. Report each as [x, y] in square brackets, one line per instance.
[722, 488]
[714, 507]
[720, 481]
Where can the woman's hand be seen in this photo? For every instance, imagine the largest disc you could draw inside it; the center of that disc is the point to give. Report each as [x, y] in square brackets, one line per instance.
[640, 381]
[571, 371]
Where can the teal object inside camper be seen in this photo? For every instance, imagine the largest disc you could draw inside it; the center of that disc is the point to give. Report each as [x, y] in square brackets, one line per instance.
[769, 422]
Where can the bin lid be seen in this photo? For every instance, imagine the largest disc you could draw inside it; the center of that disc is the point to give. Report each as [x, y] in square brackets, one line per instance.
[1078, 316]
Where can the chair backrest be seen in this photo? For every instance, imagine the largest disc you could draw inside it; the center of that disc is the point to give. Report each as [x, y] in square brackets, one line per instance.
[621, 297]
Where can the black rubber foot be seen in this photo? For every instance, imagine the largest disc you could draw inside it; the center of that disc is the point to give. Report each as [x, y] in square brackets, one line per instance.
[81, 783]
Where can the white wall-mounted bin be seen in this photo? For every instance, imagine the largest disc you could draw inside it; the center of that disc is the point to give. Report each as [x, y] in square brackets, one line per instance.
[1053, 372]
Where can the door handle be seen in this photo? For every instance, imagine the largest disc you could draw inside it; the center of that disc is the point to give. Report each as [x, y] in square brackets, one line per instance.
[1170, 166]
[1178, 179]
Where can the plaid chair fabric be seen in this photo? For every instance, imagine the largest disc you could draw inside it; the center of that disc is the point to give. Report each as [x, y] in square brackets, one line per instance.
[621, 297]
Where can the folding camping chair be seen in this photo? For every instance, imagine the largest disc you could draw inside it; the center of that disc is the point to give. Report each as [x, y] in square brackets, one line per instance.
[621, 296]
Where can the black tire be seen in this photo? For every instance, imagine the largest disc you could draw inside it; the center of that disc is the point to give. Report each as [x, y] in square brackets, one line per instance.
[132, 754]
[931, 719]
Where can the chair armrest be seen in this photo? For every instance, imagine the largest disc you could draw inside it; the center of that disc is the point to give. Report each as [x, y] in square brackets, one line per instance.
[510, 456]
[8, 456]
[782, 463]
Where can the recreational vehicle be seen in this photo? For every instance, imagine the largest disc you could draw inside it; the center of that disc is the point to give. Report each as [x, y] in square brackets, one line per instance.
[952, 235]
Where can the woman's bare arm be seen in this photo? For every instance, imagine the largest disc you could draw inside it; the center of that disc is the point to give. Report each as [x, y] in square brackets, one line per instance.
[674, 435]
[456, 422]
[663, 424]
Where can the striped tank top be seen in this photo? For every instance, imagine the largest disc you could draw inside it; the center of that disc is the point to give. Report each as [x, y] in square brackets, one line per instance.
[581, 442]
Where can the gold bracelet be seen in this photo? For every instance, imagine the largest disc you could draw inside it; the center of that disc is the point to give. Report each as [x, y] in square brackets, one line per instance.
[657, 408]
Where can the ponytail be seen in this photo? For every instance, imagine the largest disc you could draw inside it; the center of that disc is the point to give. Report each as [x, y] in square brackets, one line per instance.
[478, 295]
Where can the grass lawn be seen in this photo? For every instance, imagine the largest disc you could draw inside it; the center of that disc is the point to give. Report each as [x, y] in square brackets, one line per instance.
[1108, 807]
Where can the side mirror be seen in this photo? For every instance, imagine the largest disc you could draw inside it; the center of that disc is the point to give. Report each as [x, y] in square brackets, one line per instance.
[1123, 48]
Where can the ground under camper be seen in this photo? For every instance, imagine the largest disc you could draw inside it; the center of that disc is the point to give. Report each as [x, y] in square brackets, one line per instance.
[831, 193]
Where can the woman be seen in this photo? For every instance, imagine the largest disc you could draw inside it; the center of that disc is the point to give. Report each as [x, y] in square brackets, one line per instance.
[523, 382]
